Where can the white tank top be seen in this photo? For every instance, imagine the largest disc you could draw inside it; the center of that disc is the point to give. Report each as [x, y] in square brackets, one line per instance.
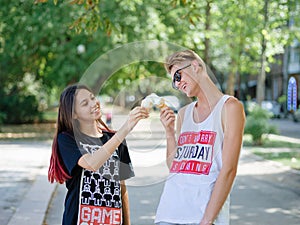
[194, 170]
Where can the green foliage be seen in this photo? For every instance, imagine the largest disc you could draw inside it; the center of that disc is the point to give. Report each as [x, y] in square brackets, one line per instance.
[43, 39]
[36, 40]
[258, 123]
[282, 99]
[19, 106]
[2, 118]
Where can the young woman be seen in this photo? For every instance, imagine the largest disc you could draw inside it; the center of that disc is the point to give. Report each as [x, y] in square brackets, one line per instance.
[92, 160]
[203, 158]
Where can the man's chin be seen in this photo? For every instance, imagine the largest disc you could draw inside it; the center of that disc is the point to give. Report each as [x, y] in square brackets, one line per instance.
[188, 94]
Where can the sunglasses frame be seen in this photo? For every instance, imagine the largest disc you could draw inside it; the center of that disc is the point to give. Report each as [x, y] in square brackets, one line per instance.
[177, 76]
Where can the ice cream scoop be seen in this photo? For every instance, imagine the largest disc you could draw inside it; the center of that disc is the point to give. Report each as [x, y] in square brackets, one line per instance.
[161, 103]
[147, 103]
[153, 99]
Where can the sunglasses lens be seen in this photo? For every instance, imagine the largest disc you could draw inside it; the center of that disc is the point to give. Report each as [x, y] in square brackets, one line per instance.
[177, 77]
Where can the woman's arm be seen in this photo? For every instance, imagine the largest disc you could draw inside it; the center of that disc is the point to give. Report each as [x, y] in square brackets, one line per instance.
[125, 204]
[94, 161]
[234, 119]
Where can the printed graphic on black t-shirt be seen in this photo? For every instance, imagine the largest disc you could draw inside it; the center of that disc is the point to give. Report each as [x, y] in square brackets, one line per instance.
[93, 198]
[100, 195]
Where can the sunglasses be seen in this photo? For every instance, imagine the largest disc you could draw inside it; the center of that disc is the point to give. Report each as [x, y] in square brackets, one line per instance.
[177, 76]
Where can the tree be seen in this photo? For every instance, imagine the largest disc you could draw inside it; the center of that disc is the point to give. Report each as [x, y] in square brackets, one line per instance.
[275, 35]
[54, 42]
[38, 56]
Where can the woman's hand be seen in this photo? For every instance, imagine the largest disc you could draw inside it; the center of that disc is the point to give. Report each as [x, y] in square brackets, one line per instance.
[167, 118]
[135, 116]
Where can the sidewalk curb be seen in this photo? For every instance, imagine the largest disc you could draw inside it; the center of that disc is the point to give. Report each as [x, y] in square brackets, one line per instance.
[34, 206]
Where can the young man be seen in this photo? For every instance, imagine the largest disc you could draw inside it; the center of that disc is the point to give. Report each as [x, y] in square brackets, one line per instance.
[203, 159]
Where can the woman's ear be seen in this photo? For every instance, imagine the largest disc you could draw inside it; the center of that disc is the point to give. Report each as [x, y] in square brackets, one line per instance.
[74, 116]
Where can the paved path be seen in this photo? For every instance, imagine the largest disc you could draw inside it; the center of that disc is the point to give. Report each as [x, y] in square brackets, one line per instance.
[264, 192]
[24, 189]
[287, 127]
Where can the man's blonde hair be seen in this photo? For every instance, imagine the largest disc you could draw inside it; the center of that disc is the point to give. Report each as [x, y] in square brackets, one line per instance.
[182, 56]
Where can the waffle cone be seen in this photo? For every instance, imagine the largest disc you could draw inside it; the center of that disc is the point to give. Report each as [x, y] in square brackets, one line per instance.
[161, 105]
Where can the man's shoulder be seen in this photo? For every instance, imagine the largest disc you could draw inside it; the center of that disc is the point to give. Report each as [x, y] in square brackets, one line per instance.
[233, 108]
[233, 103]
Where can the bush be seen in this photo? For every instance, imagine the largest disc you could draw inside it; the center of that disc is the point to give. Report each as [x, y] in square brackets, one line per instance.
[18, 108]
[2, 117]
[297, 115]
[257, 124]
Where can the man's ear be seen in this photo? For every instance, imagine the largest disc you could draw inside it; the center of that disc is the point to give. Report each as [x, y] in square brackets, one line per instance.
[196, 66]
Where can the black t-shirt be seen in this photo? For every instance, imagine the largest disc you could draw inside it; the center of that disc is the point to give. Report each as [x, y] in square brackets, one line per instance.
[93, 198]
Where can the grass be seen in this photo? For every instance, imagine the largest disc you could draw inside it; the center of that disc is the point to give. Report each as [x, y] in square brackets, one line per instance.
[50, 116]
[270, 143]
[288, 158]
[276, 149]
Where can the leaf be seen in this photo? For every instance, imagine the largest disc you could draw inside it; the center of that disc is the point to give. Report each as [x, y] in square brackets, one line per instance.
[40, 1]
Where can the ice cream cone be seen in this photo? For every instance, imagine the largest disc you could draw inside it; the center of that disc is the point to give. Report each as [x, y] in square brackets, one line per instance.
[147, 103]
[161, 103]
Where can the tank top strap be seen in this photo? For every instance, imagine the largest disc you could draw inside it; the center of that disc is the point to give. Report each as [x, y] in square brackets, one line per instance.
[188, 114]
[221, 102]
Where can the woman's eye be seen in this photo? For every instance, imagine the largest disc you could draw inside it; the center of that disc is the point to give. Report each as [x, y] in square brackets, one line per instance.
[84, 103]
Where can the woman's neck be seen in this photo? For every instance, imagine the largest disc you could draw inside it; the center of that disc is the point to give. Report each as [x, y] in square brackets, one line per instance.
[91, 130]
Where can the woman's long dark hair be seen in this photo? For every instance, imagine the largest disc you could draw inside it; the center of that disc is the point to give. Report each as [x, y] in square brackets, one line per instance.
[65, 123]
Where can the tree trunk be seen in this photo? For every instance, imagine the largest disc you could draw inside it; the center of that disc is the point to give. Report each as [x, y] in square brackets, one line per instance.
[260, 88]
[261, 78]
[207, 29]
[230, 82]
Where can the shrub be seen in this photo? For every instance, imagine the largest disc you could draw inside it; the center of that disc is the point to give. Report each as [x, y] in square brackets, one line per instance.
[2, 117]
[19, 109]
[257, 124]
